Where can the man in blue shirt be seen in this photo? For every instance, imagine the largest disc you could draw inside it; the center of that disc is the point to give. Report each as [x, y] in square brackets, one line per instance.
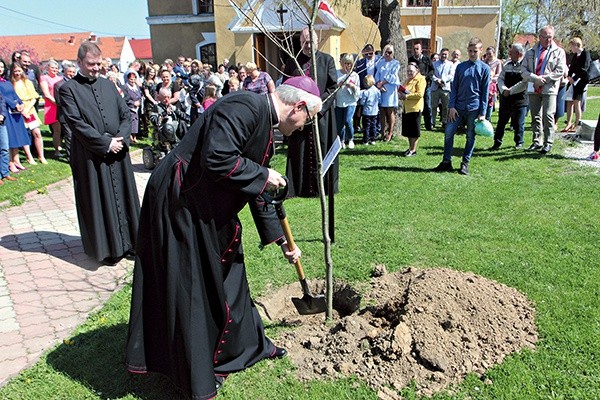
[468, 103]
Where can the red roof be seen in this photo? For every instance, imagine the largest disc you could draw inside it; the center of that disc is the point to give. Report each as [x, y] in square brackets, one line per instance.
[142, 48]
[60, 46]
[529, 39]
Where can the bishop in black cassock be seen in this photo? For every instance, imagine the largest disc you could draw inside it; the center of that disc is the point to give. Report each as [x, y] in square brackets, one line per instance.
[105, 190]
[192, 317]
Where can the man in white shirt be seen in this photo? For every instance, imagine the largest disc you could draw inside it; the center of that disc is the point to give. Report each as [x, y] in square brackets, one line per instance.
[443, 73]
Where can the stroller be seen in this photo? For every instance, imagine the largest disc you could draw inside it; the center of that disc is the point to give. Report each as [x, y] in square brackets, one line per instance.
[170, 126]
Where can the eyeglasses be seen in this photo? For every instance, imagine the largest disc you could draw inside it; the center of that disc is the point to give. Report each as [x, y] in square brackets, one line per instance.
[388, 52]
[368, 54]
[309, 118]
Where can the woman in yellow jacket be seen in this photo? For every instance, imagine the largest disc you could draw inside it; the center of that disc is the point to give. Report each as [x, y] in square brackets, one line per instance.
[412, 93]
[26, 92]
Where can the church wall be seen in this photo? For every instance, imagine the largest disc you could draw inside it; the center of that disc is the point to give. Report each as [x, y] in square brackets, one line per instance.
[169, 41]
[235, 47]
[161, 7]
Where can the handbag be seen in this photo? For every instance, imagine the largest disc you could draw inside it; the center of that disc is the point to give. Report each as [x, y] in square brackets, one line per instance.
[32, 122]
[569, 93]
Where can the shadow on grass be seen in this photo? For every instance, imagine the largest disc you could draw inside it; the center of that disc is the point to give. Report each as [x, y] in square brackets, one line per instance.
[96, 359]
[396, 168]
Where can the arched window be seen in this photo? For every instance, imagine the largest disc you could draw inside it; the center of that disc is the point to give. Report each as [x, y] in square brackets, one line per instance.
[208, 55]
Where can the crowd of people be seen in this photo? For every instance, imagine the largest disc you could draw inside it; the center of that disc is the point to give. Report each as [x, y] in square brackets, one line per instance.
[442, 89]
[368, 94]
[192, 87]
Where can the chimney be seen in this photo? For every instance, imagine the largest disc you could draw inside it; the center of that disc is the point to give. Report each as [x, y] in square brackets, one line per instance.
[71, 40]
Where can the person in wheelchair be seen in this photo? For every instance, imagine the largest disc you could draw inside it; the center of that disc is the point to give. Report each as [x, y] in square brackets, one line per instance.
[170, 122]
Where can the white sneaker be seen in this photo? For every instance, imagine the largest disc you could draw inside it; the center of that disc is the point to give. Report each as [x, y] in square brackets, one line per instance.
[343, 145]
[351, 144]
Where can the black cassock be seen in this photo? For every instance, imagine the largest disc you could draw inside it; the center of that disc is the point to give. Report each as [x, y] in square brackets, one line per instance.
[301, 168]
[106, 195]
[191, 312]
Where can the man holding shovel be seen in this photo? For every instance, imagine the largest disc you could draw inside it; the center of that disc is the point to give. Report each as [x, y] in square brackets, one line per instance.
[192, 317]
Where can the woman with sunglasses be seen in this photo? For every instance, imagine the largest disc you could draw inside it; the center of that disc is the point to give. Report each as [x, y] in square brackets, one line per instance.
[387, 81]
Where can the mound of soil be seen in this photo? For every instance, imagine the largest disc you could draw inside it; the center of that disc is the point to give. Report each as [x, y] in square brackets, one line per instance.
[432, 326]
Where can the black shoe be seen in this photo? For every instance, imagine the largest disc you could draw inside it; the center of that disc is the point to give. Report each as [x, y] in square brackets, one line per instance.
[495, 147]
[534, 147]
[464, 169]
[443, 167]
[410, 153]
[219, 380]
[546, 149]
[130, 255]
[279, 352]
[111, 261]
[519, 146]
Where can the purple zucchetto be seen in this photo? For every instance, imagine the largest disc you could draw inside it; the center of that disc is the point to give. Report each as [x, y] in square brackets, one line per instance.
[304, 83]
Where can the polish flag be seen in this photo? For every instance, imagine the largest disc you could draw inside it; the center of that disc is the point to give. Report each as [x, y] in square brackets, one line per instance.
[324, 6]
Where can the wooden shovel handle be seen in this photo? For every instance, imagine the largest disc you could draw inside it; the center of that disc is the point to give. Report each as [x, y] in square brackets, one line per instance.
[291, 245]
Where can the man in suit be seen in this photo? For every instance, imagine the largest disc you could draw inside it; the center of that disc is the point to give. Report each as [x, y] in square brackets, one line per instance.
[543, 68]
[301, 163]
[106, 196]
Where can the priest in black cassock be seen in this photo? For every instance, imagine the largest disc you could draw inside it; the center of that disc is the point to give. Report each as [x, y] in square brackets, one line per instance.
[192, 318]
[105, 191]
[301, 167]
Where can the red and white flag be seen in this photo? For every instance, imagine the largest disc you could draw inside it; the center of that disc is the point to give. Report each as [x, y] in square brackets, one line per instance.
[325, 7]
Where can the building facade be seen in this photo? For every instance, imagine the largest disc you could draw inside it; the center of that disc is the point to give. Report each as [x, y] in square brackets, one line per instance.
[212, 30]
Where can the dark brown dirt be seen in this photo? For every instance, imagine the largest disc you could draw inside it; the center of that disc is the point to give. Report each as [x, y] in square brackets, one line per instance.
[432, 326]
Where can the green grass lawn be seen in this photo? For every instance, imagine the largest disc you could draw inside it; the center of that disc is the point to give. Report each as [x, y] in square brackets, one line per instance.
[522, 219]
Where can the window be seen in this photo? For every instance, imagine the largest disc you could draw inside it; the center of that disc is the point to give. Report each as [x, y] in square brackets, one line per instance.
[208, 55]
[418, 3]
[203, 7]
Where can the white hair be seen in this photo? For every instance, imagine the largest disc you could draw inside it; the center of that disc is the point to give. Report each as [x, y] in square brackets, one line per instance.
[291, 95]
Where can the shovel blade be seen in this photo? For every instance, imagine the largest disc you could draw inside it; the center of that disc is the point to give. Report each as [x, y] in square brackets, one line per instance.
[308, 305]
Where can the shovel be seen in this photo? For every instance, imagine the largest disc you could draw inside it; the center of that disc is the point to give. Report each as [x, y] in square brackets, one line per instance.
[307, 304]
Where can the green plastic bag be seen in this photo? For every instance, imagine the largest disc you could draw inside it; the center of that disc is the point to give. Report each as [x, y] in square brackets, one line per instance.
[484, 128]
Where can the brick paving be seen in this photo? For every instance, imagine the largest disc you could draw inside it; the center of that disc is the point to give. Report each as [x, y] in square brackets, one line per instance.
[48, 286]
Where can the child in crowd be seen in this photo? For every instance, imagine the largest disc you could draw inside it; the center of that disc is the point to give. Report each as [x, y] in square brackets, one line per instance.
[210, 96]
[234, 84]
[370, 98]
[492, 95]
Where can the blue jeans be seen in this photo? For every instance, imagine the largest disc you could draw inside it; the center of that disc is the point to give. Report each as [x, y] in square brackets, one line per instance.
[345, 126]
[427, 109]
[464, 117]
[4, 172]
